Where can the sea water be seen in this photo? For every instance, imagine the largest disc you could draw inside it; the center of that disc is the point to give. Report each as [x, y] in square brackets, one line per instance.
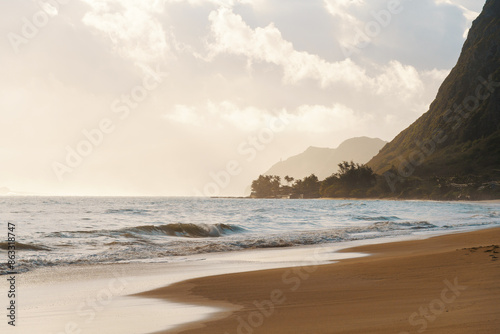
[65, 231]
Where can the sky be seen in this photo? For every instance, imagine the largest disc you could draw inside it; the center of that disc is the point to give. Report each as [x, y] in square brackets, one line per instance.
[197, 98]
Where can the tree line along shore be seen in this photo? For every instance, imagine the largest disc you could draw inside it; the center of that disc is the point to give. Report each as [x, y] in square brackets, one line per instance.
[355, 180]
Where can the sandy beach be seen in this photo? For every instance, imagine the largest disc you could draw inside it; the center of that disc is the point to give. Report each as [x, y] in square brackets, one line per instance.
[444, 284]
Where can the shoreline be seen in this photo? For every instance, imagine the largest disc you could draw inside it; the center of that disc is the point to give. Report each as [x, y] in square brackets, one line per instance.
[494, 201]
[92, 297]
[374, 294]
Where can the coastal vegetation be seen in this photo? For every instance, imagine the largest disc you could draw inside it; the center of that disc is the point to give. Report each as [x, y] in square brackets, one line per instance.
[359, 181]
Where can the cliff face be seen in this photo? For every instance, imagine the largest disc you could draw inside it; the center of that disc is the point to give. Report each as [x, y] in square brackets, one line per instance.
[460, 134]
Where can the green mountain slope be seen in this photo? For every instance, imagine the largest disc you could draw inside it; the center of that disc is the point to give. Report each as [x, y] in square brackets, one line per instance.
[460, 134]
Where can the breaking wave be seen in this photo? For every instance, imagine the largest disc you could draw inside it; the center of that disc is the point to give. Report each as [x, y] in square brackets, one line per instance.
[187, 230]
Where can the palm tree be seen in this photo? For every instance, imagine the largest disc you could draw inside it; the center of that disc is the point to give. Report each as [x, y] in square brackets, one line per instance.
[289, 179]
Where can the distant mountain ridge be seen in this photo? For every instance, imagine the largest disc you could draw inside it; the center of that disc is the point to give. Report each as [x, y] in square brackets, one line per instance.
[323, 161]
[460, 134]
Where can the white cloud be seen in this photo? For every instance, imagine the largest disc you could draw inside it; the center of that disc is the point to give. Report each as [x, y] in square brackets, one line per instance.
[325, 119]
[341, 10]
[399, 79]
[135, 30]
[364, 29]
[248, 118]
[233, 36]
[436, 75]
[341, 7]
[470, 15]
[222, 3]
[183, 114]
[132, 28]
[220, 115]
[303, 119]
[349, 25]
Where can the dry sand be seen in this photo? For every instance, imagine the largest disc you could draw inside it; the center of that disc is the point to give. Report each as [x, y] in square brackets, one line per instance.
[445, 284]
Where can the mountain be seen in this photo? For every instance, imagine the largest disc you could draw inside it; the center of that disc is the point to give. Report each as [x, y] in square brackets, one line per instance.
[323, 161]
[460, 134]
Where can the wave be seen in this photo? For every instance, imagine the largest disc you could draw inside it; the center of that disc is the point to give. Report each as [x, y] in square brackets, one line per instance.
[377, 218]
[190, 230]
[128, 211]
[271, 240]
[357, 203]
[492, 214]
[21, 246]
[411, 225]
[187, 230]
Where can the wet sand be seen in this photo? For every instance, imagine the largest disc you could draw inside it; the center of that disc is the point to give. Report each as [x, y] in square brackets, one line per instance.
[444, 284]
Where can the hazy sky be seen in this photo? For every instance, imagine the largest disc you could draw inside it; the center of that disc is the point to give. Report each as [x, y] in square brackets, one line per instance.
[161, 97]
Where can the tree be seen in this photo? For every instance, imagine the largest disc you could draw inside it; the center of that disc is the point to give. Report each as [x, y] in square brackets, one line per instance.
[266, 186]
[308, 187]
[355, 175]
[328, 183]
[288, 179]
[352, 180]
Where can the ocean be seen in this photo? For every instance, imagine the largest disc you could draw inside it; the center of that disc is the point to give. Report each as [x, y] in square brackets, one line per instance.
[65, 231]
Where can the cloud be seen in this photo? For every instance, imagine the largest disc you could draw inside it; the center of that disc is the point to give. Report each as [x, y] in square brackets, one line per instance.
[374, 30]
[436, 75]
[135, 28]
[340, 8]
[232, 35]
[183, 114]
[224, 114]
[303, 119]
[399, 79]
[347, 21]
[469, 14]
[325, 119]
[132, 28]
[221, 3]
